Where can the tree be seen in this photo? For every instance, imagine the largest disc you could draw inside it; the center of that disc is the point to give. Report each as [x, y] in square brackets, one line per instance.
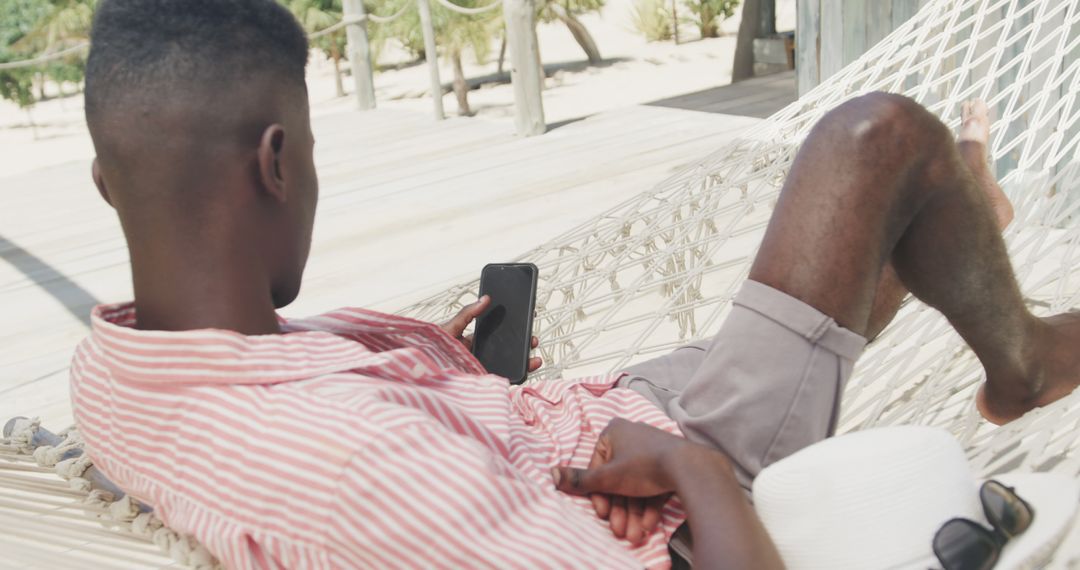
[749, 28]
[567, 12]
[64, 24]
[27, 25]
[652, 19]
[316, 15]
[455, 34]
[709, 14]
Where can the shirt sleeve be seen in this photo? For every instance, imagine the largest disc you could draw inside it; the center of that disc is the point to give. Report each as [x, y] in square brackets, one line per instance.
[426, 497]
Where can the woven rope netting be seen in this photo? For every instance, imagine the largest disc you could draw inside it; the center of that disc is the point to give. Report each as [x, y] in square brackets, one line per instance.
[660, 270]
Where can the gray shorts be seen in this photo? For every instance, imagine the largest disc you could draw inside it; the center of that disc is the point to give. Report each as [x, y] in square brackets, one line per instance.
[767, 385]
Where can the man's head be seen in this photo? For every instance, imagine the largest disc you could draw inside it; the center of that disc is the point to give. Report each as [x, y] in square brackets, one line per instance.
[199, 115]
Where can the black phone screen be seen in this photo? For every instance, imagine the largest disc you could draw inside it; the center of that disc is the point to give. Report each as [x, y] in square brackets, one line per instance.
[504, 330]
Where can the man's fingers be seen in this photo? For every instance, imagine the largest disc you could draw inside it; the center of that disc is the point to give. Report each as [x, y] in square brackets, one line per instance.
[534, 363]
[466, 315]
[617, 520]
[535, 342]
[654, 508]
[467, 341]
[580, 481]
[601, 501]
[601, 504]
[635, 513]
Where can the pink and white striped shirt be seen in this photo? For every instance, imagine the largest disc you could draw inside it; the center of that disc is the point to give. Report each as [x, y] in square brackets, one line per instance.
[355, 439]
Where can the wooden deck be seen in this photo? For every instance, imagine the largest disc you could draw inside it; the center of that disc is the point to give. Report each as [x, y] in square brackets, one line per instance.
[757, 97]
[408, 206]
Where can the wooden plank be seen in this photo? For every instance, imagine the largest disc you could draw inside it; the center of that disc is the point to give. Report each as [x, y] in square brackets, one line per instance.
[750, 98]
[832, 38]
[807, 38]
[854, 29]
[879, 21]
[903, 10]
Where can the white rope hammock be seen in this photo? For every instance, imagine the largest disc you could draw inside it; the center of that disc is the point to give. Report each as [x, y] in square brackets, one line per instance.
[661, 268]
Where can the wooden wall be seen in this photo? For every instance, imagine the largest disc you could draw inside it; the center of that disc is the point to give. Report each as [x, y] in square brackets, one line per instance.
[833, 33]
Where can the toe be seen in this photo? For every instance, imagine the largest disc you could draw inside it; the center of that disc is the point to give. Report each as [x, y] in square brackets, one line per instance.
[979, 109]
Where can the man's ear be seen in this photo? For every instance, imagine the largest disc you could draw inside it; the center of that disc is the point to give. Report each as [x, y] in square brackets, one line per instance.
[99, 181]
[273, 139]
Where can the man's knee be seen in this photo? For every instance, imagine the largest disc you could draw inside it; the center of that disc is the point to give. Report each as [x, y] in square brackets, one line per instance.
[884, 122]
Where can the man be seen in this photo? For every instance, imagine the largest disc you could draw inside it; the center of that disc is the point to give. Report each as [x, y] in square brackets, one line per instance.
[358, 439]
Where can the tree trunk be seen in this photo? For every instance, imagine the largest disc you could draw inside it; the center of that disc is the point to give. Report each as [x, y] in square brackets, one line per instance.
[502, 54]
[675, 20]
[461, 88]
[580, 32]
[33, 125]
[768, 18]
[743, 67]
[336, 56]
[708, 25]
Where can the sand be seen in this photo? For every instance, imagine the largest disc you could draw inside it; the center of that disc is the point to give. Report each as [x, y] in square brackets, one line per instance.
[635, 71]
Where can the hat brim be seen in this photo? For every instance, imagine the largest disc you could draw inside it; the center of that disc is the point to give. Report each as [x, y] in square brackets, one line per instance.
[1054, 498]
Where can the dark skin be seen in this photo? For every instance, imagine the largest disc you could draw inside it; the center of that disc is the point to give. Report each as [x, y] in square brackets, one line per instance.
[246, 184]
[255, 188]
[637, 461]
[880, 182]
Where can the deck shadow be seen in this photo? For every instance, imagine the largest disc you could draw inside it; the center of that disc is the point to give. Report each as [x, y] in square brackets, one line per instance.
[72, 296]
[758, 97]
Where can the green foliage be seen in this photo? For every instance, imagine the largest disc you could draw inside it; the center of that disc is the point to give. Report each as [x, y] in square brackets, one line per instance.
[316, 15]
[653, 20]
[709, 13]
[65, 23]
[454, 33]
[31, 27]
[17, 85]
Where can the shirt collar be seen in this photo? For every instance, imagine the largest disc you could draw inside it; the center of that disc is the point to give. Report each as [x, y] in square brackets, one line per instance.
[215, 356]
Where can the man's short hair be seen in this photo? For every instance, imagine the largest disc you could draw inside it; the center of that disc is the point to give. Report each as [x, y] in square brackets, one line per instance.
[147, 50]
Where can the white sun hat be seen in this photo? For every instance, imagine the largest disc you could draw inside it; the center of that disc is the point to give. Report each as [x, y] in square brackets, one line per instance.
[874, 499]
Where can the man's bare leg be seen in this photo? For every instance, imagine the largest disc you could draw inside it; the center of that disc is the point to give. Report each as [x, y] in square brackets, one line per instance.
[881, 180]
[971, 141]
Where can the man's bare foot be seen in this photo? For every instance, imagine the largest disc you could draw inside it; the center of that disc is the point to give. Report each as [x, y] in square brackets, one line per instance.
[1003, 402]
[972, 140]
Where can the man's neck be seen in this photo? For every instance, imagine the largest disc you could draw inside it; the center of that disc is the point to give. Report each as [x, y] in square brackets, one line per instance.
[181, 291]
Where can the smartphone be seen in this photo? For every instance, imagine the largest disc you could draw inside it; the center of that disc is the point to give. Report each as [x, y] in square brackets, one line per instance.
[504, 330]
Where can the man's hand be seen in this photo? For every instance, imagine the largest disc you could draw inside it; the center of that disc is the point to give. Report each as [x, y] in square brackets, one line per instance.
[635, 468]
[630, 476]
[456, 326]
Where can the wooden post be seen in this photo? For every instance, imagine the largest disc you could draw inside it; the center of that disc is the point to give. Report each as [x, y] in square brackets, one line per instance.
[525, 71]
[807, 32]
[432, 56]
[832, 39]
[903, 10]
[359, 54]
[854, 29]
[879, 22]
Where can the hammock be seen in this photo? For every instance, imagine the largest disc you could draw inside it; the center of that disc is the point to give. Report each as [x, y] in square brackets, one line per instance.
[661, 268]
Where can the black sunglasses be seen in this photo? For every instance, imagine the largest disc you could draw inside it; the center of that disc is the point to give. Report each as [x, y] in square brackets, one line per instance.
[963, 544]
